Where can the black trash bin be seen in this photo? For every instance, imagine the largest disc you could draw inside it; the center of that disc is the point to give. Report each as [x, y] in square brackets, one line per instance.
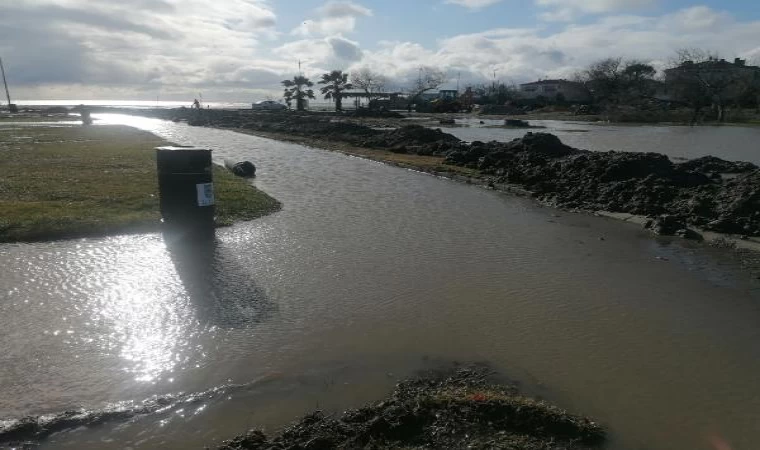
[186, 190]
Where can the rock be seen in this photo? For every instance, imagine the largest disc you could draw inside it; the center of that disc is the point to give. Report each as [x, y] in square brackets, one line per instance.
[242, 169]
[690, 234]
[665, 225]
[516, 123]
[447, 122]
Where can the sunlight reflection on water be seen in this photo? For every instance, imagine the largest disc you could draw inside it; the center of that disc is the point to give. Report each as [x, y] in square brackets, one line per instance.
[148, 311]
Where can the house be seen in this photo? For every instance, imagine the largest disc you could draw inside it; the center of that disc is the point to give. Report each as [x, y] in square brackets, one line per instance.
[730, 80]
[553, 90]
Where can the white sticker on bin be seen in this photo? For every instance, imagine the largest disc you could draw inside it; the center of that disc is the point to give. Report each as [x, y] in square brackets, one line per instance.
[205, 194]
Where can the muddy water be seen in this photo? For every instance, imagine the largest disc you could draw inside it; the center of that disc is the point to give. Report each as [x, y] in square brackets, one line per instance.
[728, 142]
[369, 273]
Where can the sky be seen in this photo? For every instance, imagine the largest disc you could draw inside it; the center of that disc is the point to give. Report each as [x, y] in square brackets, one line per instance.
[240, 50]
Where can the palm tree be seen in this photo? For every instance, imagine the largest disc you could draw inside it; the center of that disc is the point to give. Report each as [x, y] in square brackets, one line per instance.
[336, 82]
[288, 96]
[298, 89]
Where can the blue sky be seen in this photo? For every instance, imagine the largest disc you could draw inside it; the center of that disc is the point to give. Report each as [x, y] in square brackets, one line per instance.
[426, 21]
[239, 50]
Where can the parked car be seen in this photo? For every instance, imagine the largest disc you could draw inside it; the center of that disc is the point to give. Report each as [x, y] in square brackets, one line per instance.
[269, 105]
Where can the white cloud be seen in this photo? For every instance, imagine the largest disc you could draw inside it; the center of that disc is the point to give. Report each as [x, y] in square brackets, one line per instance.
[568, 10]
[333, 18]
[136, 46]
[474, 4]
[528, 54]
[227, 50]
[321, 55]
[343, 9]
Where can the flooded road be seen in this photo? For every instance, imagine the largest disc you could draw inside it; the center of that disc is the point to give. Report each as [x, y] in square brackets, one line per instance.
[369, 273]
[734, 143]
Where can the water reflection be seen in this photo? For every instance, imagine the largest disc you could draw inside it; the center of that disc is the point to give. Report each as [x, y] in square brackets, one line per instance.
[221, 291]
[149, 317]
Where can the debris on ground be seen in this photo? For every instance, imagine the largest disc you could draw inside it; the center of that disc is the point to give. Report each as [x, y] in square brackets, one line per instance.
[463, 409]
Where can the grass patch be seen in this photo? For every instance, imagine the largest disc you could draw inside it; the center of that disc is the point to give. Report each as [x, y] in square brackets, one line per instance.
[237, 200]
[38, 118]
[65, 182]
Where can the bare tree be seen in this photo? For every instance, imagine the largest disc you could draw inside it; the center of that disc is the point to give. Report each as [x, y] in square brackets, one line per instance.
[693, 55]
[700, 78]
[368, 81]
[613, 82]
[604, 78]
[428, 79]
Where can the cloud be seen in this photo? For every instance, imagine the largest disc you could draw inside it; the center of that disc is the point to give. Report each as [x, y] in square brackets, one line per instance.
[333, 18]
[135, 45]
[568, 10]
[231, 49]
[345, 50]
[322, 55]
[518, 55]
[474, 4]
[343, 9]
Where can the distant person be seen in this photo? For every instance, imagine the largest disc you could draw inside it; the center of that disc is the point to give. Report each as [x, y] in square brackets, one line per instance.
[84, 113]
[196, 104]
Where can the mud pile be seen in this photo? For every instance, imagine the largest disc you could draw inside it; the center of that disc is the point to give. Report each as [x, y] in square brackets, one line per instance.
[413, 139]
[459, 410]
[309, 126]
[695, 192]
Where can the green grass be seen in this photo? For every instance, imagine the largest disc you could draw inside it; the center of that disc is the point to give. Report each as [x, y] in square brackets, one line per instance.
[65, 182]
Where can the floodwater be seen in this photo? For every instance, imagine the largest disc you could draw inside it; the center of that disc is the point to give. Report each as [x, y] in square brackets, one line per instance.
[369, 273]
[733, 143]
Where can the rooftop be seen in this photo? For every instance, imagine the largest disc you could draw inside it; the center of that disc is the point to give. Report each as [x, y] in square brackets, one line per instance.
[717, 64]
[540, 82]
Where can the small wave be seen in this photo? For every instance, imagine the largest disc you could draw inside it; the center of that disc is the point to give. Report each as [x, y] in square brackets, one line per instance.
[35, 428]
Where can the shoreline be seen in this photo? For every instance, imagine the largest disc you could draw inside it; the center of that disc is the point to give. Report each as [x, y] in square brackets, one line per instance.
[454, 406]
[389, 158]
[744, 247]
[702, 197]
[466, 407]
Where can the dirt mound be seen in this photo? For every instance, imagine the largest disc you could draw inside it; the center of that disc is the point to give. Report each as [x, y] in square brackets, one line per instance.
[414, 138]
[310, 126]
[737, 206]
[412, 135]
[708, 164]
[462, 410]
[636, 183]
[377, 113]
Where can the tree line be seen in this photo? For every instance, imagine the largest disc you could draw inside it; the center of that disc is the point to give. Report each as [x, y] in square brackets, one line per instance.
[336, 84]
[700, 80]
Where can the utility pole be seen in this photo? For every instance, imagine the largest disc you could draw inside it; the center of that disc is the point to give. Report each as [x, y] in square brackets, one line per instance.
[5, 82]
